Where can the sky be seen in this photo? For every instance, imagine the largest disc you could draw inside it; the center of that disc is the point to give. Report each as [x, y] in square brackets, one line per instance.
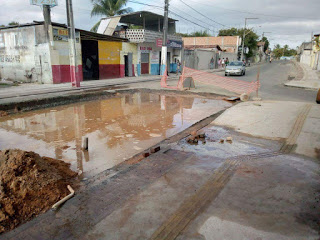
[283, 21]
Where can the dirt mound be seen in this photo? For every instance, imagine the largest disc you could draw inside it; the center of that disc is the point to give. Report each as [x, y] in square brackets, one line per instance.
[30, 185]
[3, 113]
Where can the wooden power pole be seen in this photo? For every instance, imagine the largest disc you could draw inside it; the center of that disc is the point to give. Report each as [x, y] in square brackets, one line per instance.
[75, 81]
[165, 38]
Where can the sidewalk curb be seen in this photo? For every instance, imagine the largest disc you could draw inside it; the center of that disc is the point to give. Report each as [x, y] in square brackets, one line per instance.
[303, 82]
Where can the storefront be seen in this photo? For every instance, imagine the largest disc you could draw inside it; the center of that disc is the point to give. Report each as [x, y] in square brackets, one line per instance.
[149, 56]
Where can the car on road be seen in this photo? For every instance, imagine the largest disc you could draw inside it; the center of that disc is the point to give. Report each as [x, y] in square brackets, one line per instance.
[235, 68]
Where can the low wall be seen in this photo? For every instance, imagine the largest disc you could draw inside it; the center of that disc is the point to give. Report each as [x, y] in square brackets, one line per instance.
[305, 57]
[231, 56]
[200, 59]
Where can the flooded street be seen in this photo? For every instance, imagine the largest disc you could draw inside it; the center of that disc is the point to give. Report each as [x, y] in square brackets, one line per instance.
[117, 128]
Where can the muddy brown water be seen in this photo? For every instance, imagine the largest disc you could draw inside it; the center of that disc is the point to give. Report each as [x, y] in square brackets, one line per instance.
[117, 128]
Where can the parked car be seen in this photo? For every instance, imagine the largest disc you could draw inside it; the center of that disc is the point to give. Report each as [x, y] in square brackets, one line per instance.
[235, 68]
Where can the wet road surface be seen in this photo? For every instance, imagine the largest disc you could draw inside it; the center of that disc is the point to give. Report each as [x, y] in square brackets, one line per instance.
[272, 79]
[246, 189]
[117, 128]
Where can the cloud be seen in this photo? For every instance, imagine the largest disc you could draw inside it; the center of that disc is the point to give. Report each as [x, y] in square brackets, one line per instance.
[289, 21]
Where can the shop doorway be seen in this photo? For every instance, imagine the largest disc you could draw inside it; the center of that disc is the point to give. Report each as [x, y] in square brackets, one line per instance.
[160, 63]
[128, 68]
[144, 63]
[168, 62]
[90, 59]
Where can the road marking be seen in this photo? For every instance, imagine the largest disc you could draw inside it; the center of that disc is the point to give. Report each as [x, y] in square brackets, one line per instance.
[196, 203]
[289, 145]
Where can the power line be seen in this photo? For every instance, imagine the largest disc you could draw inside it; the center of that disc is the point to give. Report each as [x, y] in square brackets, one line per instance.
[150, 5]
[190, 15]
[254, 13]
[159, 7]
[202, 14]
[187, 20]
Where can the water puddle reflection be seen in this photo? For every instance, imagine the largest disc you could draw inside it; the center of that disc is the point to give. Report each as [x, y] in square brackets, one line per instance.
[117, 128]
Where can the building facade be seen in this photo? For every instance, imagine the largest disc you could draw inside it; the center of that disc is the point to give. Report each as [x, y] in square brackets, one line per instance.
[206, 50]
[228, 44]
[26, 55]
[144, 33]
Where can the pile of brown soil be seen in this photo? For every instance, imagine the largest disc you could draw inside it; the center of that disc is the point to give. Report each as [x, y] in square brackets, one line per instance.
[30, 185]
[3, 113]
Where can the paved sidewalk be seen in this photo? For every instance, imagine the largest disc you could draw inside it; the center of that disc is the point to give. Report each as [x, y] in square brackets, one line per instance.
[310, 79]
[297, 122]
[33, 88]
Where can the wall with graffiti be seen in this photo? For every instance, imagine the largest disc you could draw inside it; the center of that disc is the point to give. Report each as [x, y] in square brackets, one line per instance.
[24, 57]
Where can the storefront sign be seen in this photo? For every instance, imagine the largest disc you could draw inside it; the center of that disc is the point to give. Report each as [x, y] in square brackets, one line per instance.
[174, 44]
[159, 42]
[170, 43]
[51, 3]
[145, 49]
[62, 35]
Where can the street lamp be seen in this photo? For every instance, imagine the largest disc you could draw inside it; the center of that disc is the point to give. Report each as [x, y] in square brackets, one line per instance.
[244, 35]
[264, 33]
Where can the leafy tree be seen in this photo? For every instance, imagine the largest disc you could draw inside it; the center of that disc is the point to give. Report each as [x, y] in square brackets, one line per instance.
[13, 23]
[195, 34]
[135, 27]
[279, 51]
[250, 40]
[230, 32]
[266, 43]
[317, 42]
[10, 24]
[108, 8]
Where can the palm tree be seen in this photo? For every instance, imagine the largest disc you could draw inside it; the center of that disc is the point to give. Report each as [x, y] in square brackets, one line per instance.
[108, 8]
[277, 46]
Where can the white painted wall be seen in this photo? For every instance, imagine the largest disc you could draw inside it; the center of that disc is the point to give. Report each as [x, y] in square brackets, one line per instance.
[306, 57]
[24, 55]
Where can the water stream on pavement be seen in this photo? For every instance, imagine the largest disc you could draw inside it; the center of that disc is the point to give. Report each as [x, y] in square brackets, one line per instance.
[117, 128]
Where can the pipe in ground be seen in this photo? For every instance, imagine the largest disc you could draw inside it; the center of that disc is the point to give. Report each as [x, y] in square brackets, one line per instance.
[63, 200]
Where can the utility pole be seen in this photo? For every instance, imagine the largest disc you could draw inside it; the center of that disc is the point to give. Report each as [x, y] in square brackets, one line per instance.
[312, 41]
[47, 23]
[165, 38]
[75, 81]
[244, 35]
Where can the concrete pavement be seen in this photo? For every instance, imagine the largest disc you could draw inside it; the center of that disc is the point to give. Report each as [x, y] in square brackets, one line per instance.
[249, 188]
[35, 91]
[310, 79]
[299, 122]
[240, 190]
[273, 78]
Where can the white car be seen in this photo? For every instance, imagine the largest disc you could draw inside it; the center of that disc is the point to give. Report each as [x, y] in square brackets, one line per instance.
[235, 68]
